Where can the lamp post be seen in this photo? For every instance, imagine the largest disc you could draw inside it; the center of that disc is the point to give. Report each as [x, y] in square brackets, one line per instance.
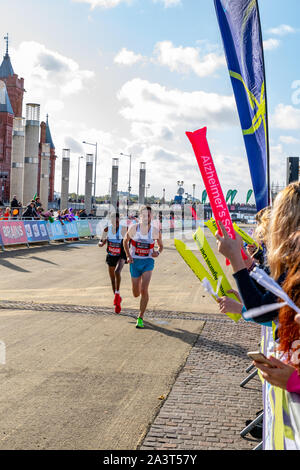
[95, 173]
[164, 196]
[79, 158]
[147, 187]
[129, 181]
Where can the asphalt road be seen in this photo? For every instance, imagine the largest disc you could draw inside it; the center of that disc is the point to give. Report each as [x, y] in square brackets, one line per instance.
[74, 380]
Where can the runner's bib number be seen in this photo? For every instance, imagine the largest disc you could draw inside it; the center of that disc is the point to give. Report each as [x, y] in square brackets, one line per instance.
[142, 248]
[114, 249]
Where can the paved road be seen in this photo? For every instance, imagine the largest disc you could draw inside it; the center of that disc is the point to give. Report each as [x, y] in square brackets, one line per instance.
[79, 377]
[76, 274]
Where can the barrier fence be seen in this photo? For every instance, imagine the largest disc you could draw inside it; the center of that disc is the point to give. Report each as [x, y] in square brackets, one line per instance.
[20, 232]
[281, 423]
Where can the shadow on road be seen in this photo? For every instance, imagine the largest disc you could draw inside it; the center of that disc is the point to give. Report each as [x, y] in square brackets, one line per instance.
[183, 335]
[7, 264]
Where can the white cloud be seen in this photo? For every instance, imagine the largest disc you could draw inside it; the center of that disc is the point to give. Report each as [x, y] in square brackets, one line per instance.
[169, 3]
[126, 57]
[103, 3]
[152, 103]
[47, 73]
[289, 140]
[286, 117]
[282, 30]
[54, 106]
[148, 132]
[186, 59]
[271, 44]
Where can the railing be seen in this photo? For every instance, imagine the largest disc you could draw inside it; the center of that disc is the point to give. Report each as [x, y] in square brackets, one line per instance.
[28, 231]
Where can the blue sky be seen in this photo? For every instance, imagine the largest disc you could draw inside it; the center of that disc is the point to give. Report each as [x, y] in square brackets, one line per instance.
[134, 76]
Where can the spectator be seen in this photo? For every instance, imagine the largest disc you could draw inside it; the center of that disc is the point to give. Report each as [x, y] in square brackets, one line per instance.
[14, 202]
[6, 214]
[30, 212]
[83, 214]
[286, 372]
[48, 215]
[284, 221]
[37, 202]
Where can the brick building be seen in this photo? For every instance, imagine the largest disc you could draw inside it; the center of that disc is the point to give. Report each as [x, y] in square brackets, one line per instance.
[11, 106]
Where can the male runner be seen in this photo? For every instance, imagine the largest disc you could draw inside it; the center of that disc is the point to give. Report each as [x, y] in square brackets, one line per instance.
[116, 257]
[140, 256]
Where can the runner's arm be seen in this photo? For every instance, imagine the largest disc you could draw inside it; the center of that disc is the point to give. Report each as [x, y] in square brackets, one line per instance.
[158, 238]
[103, 238]
[127, 238]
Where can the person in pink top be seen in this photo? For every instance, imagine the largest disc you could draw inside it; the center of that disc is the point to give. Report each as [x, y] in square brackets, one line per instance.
[286, 374]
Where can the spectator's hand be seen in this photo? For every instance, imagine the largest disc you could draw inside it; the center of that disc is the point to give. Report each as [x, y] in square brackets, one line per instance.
[251, 249]
[230, 248]
[277, 376]
[236, 293]
[226, 245]
[228, 305]
[297, 319]
[129, 259]
[101, 244]
[155, 254]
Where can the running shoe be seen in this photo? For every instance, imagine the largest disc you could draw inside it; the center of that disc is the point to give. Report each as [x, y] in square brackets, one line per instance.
[139, 323]
[117, 303]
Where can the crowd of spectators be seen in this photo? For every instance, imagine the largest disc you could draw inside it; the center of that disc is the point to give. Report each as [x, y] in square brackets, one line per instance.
[278, 234]
[35, 211]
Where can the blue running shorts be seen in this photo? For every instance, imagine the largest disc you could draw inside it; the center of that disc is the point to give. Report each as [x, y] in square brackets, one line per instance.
[140, 266]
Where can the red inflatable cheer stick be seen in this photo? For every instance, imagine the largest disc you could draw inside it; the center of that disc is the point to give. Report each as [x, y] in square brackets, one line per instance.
[211, 181]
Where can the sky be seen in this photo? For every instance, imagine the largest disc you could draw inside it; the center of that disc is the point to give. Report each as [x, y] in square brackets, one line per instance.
[135, 75]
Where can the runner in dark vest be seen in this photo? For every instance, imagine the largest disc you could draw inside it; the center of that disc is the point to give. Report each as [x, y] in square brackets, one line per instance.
[116, 257]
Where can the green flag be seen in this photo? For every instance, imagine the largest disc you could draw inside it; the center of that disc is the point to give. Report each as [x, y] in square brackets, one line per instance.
[233, 194]
[228, 195]
[249, 195]
[204, 196]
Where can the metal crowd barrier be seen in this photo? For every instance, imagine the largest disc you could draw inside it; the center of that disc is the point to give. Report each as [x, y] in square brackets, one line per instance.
[28, 231]
[281, 410]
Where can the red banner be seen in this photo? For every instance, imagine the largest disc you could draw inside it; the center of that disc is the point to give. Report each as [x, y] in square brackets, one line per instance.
[211, 180]
[12, 232]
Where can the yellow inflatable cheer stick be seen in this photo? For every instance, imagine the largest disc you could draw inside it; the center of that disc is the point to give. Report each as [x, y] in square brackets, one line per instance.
[246, 237]
[211, 224]
[194, 264]
[215, 269]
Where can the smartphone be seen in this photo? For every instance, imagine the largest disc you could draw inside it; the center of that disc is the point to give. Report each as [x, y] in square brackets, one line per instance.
[260, 357]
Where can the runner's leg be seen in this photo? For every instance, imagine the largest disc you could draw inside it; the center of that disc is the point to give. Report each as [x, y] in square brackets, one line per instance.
[145, 281]
[118, 298]
[111, 271]
[118, 270]
[136, 286]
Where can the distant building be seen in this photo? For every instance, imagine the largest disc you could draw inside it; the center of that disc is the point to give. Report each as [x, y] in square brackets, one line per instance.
[11, 107]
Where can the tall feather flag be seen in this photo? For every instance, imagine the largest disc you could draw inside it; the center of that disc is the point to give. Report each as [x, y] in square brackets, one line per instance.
[249, 194]
[233, 195]
[240, 27]
[228, 195]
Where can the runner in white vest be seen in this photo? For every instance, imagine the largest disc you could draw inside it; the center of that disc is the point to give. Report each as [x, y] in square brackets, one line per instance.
[116, 257]
[139, 245]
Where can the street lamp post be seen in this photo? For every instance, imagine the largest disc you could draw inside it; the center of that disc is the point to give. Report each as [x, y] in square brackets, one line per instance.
[129, 181]
[194, 187]
[95, 172]
[147, 187]
[79, 158]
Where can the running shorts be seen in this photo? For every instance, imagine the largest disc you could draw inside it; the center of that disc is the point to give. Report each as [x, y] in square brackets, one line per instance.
[140, 266]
